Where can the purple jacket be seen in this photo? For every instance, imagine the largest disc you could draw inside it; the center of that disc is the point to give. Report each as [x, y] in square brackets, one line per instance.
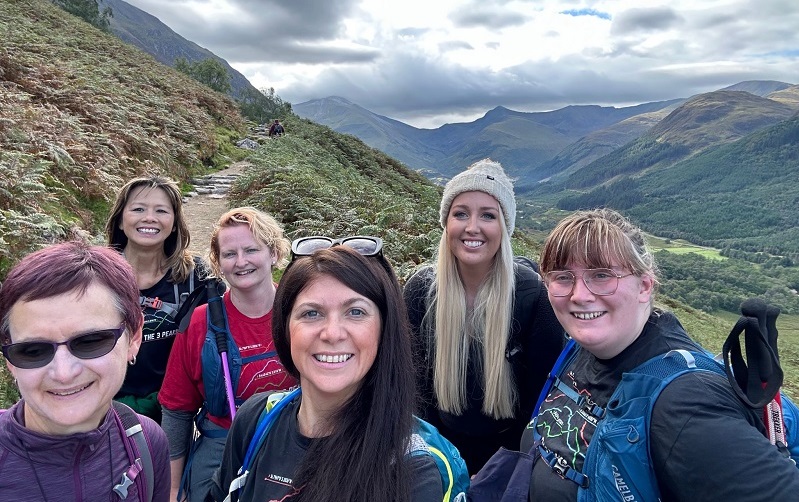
[78, 467]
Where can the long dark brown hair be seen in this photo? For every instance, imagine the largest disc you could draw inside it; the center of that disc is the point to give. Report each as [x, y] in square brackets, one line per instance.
[371, 430]
[178, 258]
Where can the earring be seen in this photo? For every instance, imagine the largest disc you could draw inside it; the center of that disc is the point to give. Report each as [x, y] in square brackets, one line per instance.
[132, 361]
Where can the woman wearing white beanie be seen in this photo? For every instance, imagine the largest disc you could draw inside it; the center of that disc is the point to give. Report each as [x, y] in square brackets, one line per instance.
[485, 337]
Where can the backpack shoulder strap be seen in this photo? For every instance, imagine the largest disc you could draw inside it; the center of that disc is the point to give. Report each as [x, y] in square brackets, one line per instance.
[612, 456]
[137, 443]
[426, 440]
[221, 388]
[566, 356]
[274, 405]
[182, 292]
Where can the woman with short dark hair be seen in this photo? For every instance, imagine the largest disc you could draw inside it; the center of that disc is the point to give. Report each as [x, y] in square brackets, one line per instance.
[70, 323]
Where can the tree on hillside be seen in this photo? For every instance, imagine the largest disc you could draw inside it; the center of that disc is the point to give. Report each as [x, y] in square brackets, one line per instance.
[262, 106]
[207, 71]
[89, 11]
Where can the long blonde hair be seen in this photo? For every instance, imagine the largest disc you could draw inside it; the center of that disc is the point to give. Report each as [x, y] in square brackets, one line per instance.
[453, 329]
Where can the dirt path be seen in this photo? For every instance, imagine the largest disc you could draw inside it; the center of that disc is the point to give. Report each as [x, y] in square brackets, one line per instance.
[203, 210]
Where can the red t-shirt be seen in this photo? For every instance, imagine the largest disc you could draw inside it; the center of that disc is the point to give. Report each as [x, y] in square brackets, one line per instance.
[183, 389]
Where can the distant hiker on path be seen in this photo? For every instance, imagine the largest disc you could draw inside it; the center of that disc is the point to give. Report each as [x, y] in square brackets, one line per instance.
[147, 226]
[246, 246]
[71, 325]
[704, 442]
[276, 129]
[484, 332]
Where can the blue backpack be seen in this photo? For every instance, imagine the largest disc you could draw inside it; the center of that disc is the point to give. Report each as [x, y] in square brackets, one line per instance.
[617, 462]
[426, 440]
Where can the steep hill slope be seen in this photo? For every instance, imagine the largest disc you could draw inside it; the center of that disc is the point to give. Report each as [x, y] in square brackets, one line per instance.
[396, 139]
[761, 88]
[80, 112]
[704, 121]
[600, 143]
[148, 33]
[742, 195]
[788, 96]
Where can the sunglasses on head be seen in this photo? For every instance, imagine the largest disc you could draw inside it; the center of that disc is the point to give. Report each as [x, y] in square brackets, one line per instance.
[30, 355]
[363, 244]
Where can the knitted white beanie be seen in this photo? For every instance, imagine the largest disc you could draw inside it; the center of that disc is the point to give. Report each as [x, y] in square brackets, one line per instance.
[482, 176]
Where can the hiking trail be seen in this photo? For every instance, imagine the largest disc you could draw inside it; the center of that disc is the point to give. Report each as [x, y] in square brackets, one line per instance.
[206, 204]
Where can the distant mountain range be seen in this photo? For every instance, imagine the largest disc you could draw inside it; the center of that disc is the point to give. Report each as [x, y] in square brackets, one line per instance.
[539, 145]
[719, 168]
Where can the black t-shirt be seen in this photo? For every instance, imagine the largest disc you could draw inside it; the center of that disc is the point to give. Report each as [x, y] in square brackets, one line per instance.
[705, 444]
[272, 471]
[158, 335]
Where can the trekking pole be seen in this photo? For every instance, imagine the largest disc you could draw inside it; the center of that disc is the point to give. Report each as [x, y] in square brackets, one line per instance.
[773, 413]
[221, 330]
[760, 374]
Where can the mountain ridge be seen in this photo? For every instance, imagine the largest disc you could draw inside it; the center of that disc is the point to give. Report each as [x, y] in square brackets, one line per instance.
[149, 34]
[499, 134]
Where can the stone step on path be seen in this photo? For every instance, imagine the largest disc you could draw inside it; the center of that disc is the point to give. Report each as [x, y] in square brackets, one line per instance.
[206, 202]
[215, 186]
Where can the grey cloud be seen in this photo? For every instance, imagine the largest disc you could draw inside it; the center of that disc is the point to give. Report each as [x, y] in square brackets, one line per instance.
[455, 45]
[707, 36]
[394, 79]
[408, 86]
[290, 51]
[482, 16]
[637, 20]
[272, 29]
[412, 32]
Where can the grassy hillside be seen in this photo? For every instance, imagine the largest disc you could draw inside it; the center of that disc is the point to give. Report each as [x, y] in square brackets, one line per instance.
[319, 182]
[80, 112]
[702, 122]
[739, 196]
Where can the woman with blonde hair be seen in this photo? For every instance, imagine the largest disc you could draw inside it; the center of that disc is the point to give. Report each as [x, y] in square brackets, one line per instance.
[147, 226]
[247, 245]
[484, 332]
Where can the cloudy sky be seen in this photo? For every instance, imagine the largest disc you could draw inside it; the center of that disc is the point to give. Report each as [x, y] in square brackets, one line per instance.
[429, 62]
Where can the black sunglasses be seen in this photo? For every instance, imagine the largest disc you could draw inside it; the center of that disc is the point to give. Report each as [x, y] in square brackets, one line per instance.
[30, 355]
[363, 244]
